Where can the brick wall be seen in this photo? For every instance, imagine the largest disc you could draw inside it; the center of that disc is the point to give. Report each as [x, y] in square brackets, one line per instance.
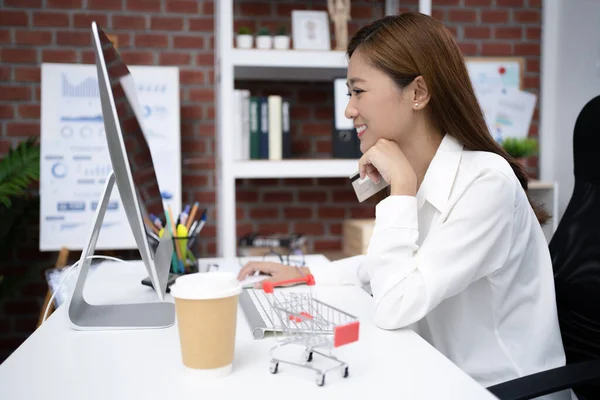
[180, 32]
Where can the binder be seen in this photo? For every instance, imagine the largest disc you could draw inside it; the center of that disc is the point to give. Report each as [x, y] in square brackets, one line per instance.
[344, 141]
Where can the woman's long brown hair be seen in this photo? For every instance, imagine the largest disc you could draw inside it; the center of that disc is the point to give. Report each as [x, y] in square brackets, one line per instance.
[411, 44]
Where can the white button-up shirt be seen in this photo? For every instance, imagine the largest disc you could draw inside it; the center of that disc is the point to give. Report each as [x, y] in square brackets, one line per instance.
[466, 264]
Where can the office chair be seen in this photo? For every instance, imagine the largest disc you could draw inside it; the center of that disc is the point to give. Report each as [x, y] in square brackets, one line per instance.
[575, 251]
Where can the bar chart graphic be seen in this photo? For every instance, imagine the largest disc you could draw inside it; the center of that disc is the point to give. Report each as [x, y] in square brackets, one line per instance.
[86, 88]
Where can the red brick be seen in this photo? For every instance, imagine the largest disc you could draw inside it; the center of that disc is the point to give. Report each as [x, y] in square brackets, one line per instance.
[207, 129]
[332, 212]
[13, 18]
[205, 59]
[88, 57]
[204, 197]
[143, 5]
[343, 196]
[73, 38]
[5, 36]
[50, 19]
[494, 16]
[269, 228]
[85, 20]
[166, 23]
[527, 49]
[202, 24]
[193, 145]
[105, 5]
[277, 197]
[246, 196]
[532, 65]
[202, 95]
[324, 146]
[209, 7]
[188, 42]
[496, 49]
[187, 77]
[535, 3]
[29, 110]
[468, 49]
[5, 74]
[27, 74]
[362, 212]
[67, 4]
[151, 40]
[438, 14]
[471, 3]
[477, 32]
[36, 38]
[335, 229]
[309, 228]
[22, 129]
[6, 112]
[531, 82]
[525, 16]
[534, 32]
[183, 6]
[312, 197]
[297, 212]
[59, 56]
[174, 59]
[461, 15]
[447, 2]
[264, 213]
[316, 129]
[18, 55]
[129, 22]
[262, 9]
[194, 181]
[191, 112]
[508, 33]
[510, 3]
[23, 3]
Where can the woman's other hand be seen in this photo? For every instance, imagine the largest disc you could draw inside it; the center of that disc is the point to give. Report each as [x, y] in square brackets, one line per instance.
[385, 160]
[278, 272]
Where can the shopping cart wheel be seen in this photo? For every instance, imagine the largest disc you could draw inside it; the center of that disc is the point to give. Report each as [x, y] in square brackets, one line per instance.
[273, 367]
[345, 372]
[320, 379]
[308, 355]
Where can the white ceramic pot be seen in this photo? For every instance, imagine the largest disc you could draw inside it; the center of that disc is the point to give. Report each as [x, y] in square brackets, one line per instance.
[264, 42]
[281, 42]
[244, 41]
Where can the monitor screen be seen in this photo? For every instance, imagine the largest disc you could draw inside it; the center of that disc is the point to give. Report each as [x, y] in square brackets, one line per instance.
[137, 150]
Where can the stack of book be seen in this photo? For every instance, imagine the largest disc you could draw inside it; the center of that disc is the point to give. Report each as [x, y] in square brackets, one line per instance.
[261, 127]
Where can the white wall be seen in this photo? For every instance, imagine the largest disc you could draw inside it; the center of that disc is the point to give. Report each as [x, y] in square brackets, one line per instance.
[570, 77]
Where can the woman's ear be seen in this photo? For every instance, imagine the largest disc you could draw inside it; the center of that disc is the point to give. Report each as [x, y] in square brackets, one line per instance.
[420, 93]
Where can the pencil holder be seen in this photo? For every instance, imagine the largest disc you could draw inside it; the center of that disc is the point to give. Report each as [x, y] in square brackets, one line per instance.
[183, 260]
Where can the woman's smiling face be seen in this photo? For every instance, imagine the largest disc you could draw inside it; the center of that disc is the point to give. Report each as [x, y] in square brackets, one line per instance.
[378, 107]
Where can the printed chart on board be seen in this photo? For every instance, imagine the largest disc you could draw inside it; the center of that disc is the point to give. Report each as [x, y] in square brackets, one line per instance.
[74, 154]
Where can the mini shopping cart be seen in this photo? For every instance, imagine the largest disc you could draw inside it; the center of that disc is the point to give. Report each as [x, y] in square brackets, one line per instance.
[311, 324]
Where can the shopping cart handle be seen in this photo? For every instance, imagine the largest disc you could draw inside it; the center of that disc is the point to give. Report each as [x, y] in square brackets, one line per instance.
[268, 287]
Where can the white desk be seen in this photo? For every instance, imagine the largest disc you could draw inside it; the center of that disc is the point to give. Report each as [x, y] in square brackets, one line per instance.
[56, 362]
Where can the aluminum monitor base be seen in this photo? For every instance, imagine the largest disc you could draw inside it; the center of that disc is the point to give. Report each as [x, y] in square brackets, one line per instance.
[85, 316]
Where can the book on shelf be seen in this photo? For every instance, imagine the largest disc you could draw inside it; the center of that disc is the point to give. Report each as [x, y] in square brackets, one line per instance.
[344, 140]
[261, 127]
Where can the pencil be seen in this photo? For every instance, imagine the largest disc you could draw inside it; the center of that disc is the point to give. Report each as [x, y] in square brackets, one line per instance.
[171, 223]
[192, 215]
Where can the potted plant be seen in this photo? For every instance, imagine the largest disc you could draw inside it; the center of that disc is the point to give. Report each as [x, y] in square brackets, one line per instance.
[281, 41]
[520, 148]
[244, 38]
[264, 40]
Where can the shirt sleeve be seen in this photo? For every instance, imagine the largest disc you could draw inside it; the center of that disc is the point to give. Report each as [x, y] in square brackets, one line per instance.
[339, 272]
[473, 241]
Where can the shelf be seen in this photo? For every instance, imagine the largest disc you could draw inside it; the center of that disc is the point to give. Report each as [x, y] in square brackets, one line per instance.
[538, 185]
[301, 65]
[295, 168]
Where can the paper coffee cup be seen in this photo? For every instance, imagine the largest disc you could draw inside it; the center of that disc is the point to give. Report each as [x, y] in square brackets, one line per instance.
[206, 306]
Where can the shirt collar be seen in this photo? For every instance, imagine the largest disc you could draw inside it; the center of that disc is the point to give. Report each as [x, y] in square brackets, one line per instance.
[441, 173]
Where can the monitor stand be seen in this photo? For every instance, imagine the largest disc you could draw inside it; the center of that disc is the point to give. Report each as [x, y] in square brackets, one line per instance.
[85, 316]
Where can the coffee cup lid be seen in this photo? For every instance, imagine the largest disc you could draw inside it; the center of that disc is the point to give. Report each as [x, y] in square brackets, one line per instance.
[206, 285]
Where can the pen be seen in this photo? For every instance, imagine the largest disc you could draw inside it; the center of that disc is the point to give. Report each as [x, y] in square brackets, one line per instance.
[192, 215]
[184, 216]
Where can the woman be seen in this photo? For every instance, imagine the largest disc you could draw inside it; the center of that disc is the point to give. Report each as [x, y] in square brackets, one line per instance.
[457, 248]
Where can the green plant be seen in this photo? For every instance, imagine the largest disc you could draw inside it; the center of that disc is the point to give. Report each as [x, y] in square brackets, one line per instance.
[18, 169]
[520, 147]
[282, 31]
[244, 30]
[264, 31]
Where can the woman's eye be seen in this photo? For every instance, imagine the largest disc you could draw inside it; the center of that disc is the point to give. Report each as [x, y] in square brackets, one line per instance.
[355, 91]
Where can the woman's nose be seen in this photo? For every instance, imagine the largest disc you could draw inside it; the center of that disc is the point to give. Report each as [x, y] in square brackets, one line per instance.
[350, 112]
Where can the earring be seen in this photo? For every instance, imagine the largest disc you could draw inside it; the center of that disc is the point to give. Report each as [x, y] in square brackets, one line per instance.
[416, 104]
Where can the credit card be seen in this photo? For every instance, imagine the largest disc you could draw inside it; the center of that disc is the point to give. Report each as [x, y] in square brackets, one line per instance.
[365, 188]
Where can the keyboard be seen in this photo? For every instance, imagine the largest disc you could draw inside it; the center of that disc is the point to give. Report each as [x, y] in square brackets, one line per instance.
[258, 312]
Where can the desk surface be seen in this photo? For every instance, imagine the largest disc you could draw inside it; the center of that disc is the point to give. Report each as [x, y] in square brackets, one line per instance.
[56, 362]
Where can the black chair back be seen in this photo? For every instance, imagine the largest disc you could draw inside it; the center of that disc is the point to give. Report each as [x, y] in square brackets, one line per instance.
[575, 249]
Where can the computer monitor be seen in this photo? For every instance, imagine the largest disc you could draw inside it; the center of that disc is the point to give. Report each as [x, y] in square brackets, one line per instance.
[134, 174]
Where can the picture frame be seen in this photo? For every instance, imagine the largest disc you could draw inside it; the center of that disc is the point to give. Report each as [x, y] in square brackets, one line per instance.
[310, 30]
